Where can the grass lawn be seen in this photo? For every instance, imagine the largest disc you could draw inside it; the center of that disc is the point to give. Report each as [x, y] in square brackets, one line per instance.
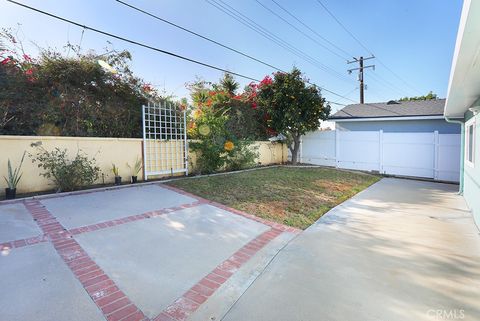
[292, 196]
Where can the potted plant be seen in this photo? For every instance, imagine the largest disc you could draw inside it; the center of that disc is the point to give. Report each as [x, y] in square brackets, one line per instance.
[118, 178]
[137, 167]
[14, 177]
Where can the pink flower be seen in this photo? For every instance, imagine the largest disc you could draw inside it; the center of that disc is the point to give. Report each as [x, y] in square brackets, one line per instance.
[266, 81]
[29, 72]
[147, 88]
[6, 61]
[252, 85]
[254, 105]
[271, 132]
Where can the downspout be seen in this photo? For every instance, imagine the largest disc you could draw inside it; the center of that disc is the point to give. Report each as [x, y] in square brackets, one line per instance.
[462, 150]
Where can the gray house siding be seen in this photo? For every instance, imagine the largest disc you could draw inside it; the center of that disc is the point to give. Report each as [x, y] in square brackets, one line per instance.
[401, 126]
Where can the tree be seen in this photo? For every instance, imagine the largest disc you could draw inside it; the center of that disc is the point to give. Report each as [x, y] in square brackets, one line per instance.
[229, 84]
[290, 106]
[428, 96]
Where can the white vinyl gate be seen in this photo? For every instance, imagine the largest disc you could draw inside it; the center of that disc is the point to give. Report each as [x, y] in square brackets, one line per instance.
[428, 155]
[165, 149]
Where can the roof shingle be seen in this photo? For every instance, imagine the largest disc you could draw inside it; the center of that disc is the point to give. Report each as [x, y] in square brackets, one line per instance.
[398, 109]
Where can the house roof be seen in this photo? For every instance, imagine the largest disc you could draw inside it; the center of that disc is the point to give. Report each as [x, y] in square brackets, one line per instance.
[394, 109]
[464, 85]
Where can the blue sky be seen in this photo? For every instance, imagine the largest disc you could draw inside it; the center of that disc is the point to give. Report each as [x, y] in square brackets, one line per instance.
[414, 38]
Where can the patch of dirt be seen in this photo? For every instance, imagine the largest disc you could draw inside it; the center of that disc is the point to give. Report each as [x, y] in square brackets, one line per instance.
[336, 187]
[271, 209]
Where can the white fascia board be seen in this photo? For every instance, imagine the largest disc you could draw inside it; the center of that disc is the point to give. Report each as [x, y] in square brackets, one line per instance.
[464, 83]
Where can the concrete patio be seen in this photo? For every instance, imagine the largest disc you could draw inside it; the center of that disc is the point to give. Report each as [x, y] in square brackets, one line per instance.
[138, 253]
[400, 250]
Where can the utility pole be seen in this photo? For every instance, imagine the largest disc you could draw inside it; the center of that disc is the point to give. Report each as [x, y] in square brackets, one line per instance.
[360, 74]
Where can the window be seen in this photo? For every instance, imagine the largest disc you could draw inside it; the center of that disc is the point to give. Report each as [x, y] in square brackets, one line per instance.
[470, 142]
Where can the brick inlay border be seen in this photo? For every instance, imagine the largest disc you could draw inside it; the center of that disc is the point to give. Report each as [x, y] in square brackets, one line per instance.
[191, 300]
[13, 244]
[5, 246]
[112, 301]
[132, 218]
[278, 226]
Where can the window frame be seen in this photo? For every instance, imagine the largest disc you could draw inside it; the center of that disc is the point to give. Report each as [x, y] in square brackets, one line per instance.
[470, 123]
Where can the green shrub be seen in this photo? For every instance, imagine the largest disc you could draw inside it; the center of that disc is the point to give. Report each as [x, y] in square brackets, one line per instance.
[242, 156]
[65, 173]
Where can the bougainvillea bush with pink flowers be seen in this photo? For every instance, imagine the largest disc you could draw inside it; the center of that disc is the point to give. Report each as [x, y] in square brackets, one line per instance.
[215, 125]
[69, 93]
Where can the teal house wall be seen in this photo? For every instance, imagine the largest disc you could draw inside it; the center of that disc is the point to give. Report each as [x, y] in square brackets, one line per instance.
[471, 189]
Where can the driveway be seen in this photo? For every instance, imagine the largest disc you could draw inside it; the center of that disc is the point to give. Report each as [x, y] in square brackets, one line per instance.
[139, 253]
[400, 250]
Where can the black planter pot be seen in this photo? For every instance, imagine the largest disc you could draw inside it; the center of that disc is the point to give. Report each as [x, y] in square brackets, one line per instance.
[134, 179]
[118, 180]
[10, 193]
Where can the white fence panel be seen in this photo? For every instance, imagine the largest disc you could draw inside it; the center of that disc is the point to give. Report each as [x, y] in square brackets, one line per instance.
[318, 148]
[358, 150]
[448, 167]
[409, 154]
[428, 155]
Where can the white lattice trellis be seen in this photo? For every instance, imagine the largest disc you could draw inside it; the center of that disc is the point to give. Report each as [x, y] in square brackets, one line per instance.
[165, 147]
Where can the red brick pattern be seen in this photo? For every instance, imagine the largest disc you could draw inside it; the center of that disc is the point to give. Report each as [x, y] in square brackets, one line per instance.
[107, 296]
[102, 225]
[281, 227]
[46, 220]
[22, 242]
[190, 301]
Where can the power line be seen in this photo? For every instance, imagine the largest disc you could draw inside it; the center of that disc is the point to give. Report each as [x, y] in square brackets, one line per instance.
[300, 31]
[364, 46]
[345, 28]
[132, 41]
[197, 34]
[278, 41]
[311, 29]
[237, 15]
[345, 95]
[398, 77]
[382, 81]
[256, 29]
[309, 37]
[85, 27]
